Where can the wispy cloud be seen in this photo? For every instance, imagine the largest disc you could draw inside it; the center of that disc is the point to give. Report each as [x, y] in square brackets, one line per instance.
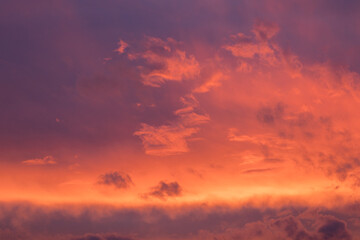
[165, 140]
[47, 160]
[164, 62]
[172, 139]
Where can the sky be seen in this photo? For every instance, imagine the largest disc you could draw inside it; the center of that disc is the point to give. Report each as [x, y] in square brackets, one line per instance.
[184, 120]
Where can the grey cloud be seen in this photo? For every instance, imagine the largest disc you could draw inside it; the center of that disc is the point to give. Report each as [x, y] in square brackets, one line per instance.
[116, 179]
[258, 170]
[164, 190]
[269, 115]
[101, 237]
[334, 229]
[293, 229]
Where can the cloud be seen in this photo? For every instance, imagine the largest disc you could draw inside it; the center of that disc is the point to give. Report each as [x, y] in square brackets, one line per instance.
[213, 81]
[247, 49]
[116, 179]
[165, 62]
[47, 160]
[292, 228]
[264, 31]
[305, 134]
[269, 115]
[171, 139]
[258, 170]
[190, 222]
[288, 227]
[195, 173]
[190, 115]
[257, 47]
[122, 46]
[164, 140]
[164, 190]
[334, 229]
[101, 237]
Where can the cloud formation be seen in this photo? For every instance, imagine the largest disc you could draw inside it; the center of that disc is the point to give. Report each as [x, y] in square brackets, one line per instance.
[122, 46]
[164, 190]
[172, 139]
[257, 47]
[101, 237]
[47, 160]
[164, 62]
[164, 140]
[189, 223]
[116, 179]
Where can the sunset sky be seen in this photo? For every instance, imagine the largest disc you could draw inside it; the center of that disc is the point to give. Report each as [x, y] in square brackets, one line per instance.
[180, 119]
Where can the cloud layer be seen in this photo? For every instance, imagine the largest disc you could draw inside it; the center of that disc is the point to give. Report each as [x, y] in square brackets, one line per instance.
[23, 221]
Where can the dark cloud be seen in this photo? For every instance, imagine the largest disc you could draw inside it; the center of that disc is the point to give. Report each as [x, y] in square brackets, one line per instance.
[342, 170]
[195, 172]
[164, 190]
[25, 221]
[265, 115]
[259, 170]
[334, 229]
[269, 115]
[304, 119]
[116, 179]
[293, 229]
[331, 229]
[101, 237]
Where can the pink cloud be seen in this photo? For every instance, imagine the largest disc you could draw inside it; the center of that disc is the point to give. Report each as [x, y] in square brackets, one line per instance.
[165, 62]
[213, 81]
[122, 46]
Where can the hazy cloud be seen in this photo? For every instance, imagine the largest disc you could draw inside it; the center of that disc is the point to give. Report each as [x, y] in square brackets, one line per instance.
[269, 115]
[190, 222]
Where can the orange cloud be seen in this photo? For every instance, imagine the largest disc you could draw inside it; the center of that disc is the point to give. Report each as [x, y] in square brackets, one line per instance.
[166, 139]
[212, 82]
[165, 62]
[171, 139]
[249, 48]
[47, 160]
[122, 46]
